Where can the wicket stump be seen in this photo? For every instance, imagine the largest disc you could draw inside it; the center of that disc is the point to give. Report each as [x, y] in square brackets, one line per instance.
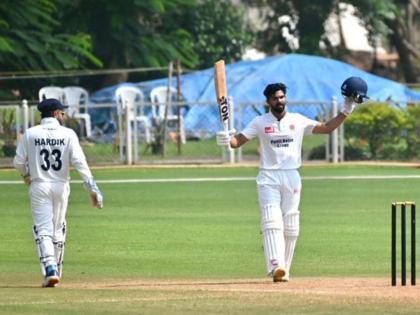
[394, 208]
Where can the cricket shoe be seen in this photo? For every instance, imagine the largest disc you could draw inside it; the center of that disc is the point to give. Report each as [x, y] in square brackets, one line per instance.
[285, 277]
[51, 277]
[278, 274]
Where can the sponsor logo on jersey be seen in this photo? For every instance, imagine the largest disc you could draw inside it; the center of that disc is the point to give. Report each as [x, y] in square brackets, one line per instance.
[281, 143]
[51, 142]
[269, 129]
[292, 127]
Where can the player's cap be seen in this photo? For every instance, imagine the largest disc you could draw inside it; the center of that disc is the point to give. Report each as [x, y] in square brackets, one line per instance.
[50, 105]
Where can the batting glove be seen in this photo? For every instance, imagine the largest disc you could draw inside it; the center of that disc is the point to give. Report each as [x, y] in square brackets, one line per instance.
[349, 105]
[223, 137]
[95, 194]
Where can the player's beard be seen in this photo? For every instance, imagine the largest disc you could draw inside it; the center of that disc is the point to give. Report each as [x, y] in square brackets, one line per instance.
[278, 108]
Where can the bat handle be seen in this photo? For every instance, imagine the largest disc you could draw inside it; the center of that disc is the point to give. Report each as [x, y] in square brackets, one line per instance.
[226, 126]
[228, 151]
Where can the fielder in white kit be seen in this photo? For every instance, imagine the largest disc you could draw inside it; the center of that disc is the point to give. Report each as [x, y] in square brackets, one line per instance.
[279, 185]
[43, 157]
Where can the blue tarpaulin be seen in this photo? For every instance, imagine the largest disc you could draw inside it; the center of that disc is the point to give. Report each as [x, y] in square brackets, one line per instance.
[308, 78]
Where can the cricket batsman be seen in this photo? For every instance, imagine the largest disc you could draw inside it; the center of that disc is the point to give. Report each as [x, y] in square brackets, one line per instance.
[280, 134]
[43, 158]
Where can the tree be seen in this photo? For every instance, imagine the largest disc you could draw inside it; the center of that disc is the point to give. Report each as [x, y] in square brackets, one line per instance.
[399, 22]
[132, 33]
[67, 34]
[292, 25]
[29, 41]
[219, 31]
[298, 25]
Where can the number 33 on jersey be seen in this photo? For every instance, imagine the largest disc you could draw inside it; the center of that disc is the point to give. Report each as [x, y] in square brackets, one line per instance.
[49, 149]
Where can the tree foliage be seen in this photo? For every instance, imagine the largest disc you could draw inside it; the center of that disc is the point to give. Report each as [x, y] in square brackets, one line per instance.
[219, 31]
[29, 39]
[67, 34]
[399, 22]
[133, 33]
[288, 20]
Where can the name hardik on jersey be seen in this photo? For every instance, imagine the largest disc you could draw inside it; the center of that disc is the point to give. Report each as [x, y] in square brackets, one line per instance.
[48, 150]
[281, 140]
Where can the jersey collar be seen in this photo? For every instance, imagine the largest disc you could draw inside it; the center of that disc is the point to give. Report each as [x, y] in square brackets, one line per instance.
[50, 121]
[275, 118]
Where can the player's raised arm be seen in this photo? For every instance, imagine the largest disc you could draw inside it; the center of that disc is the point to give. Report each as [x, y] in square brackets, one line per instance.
[354, 90]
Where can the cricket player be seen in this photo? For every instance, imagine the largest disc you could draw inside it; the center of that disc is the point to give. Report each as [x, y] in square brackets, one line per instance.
[279, 185]
[43, 158]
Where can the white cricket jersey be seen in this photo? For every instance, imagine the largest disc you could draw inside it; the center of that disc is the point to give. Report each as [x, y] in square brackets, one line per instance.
[46, 151]
[281, 140]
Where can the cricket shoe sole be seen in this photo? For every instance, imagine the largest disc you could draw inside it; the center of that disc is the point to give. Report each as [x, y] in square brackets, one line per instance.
[51, 282]
[278, 274]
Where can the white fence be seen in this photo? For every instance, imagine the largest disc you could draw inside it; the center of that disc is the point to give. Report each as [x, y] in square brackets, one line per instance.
[125, 141]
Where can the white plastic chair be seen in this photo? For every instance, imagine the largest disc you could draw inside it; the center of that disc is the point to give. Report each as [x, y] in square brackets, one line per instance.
[51, 92]
[74, 97]
[44, 93]
[160, 99]
[132, 98]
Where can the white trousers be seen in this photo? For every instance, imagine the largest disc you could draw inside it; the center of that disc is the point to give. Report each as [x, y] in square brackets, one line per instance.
[280, 187]
[49, 205]
[279, 197]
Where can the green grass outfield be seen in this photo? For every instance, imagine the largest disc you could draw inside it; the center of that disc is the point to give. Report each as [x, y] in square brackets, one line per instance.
[194, 247]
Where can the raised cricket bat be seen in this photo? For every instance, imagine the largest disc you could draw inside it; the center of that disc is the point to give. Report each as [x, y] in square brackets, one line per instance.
[221, 93]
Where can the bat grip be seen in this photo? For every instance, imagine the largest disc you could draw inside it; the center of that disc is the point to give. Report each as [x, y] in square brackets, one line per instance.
[226, 126]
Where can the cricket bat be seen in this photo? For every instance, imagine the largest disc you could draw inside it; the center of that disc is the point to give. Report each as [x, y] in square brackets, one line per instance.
[221, 93]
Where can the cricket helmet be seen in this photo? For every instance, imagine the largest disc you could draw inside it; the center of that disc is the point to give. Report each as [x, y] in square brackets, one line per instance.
[355, 87]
